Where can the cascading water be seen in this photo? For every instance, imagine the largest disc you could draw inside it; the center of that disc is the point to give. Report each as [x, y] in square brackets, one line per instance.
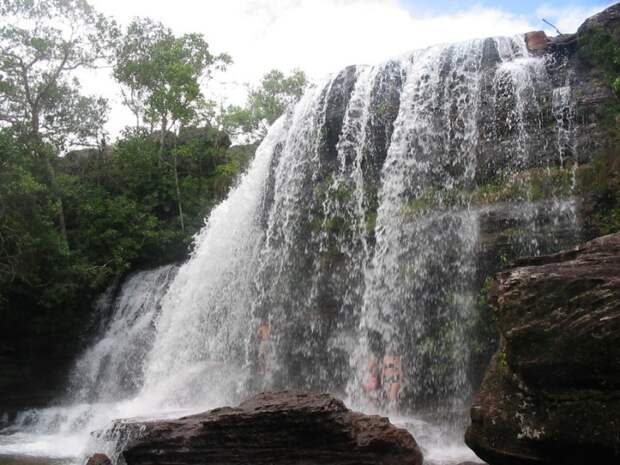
[418, 282]
[108, 372]
[359, 238]
[112, 367]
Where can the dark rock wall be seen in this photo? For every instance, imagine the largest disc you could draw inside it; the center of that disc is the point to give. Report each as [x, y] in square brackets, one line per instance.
[552, 392]
[36, 356]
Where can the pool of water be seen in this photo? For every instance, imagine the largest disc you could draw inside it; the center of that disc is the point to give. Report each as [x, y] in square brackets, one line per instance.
[39, 449]
[30, 460]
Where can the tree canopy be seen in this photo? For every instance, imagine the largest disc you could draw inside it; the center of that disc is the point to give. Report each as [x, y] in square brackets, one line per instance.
[265, 104]
[41, 47]
[162, 74]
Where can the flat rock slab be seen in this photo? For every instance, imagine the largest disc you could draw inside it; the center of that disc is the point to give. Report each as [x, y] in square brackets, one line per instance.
[287, 428]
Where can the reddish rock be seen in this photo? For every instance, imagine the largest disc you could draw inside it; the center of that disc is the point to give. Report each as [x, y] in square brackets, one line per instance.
[282, 428]
[99, 459]
[537, 41]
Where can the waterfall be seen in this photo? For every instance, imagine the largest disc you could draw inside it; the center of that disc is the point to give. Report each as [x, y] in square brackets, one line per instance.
[418, 282]
[214, 290]
[112, 368]
[106, 374]
[358, 239]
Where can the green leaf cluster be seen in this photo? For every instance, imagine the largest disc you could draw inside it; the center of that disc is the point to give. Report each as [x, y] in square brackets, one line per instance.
[265, 103]
[120, 211]
[599, 47]
[162, 73]
[42, 44]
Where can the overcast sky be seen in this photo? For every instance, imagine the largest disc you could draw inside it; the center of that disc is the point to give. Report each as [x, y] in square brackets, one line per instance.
[323, 36]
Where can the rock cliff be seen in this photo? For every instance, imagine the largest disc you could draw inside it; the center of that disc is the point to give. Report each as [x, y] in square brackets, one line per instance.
[552, 392]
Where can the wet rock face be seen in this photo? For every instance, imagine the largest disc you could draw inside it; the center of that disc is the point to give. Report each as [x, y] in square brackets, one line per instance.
[35, 360]
[571, 299]
[274, 428]
[336, 105]
[552, 392]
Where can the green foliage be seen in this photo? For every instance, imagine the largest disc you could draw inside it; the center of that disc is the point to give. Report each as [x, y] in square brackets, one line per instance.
[162, 73]
[484, 321]
[599, 183]
[601, 49]
[532, 185]
[70, 225]
[35, 265]
[137, 170]
[239, 121]
[338, 192]
[615, 85]
[265, 104]
[275, 93]
[502, 360]
[371, 223]
[162, 77]
[41, 44]
[120, 209]
[107, 231]
[331, 217]
[26, 227]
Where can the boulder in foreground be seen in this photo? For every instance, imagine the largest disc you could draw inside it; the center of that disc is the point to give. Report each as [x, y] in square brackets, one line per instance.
[281, 428]
[552, 392]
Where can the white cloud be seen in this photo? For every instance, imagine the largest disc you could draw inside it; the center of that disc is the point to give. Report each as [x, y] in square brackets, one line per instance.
[318, 36]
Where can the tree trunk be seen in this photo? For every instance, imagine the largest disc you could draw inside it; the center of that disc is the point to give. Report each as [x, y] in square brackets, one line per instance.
[162, 137]
[51, 174]
[176, 184]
